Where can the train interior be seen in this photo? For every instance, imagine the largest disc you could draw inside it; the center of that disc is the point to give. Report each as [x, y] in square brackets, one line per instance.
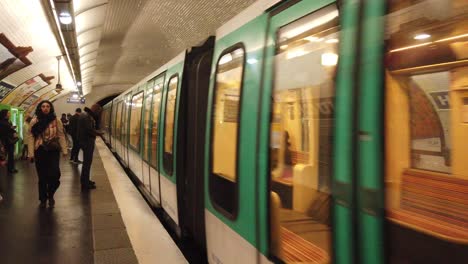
[301, 138]
[426, 123]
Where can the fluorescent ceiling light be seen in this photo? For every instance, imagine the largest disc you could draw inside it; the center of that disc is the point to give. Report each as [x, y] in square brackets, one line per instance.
[333, 40]
[65, 18]
[252, 61]
[313, 39]
[225, 59]
[324, 16]
[422, 36]
[329, 59]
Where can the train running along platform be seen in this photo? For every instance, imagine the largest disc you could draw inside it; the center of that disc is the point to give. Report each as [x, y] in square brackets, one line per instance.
[111, 224]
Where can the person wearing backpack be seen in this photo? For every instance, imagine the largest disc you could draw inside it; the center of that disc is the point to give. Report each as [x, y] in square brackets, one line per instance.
[46, 141]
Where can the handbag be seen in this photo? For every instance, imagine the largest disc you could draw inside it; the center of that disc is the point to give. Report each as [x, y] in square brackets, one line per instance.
[52, 145]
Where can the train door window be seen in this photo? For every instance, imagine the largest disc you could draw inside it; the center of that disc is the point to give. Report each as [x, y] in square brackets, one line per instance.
[426, 173]
[301, 133]
[225, 129]
[135, 120]
[118, 121]
[168, 158]
[147, 125]
[157, 92]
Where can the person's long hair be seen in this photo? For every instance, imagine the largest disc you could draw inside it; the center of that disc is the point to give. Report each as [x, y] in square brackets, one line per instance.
[3, 114]
[43, 120]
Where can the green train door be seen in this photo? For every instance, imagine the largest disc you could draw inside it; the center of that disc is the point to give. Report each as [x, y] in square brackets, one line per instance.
[306, 134]
[231, 139]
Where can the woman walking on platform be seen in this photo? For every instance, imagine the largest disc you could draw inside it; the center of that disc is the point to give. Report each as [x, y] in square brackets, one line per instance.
[45, 143]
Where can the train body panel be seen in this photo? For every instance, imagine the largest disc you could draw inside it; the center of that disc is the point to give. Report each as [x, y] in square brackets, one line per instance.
[302, 145]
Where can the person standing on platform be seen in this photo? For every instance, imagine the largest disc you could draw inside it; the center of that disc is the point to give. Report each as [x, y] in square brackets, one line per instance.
[73, 127]
[26, 128]
[9, 138]
[46, 142]
[87, 133]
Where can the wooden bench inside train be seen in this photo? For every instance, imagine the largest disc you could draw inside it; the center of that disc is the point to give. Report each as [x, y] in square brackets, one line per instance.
[433, 203]
[289, 246]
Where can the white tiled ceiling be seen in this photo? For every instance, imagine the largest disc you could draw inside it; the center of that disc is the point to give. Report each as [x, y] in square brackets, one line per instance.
[89, 19]
[25, 24]
[141, 35]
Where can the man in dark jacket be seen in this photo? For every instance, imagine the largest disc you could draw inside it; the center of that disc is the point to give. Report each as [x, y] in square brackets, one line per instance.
[86, 133]
[73, 127]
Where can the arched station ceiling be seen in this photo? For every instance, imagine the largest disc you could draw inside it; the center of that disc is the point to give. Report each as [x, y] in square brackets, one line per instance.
[117, 42]
[140, 36]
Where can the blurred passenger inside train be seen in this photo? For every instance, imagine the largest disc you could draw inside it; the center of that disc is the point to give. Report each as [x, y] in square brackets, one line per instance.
[73, 133]
[9, 138]
[87, 133]
[46, 141]
[26, 128]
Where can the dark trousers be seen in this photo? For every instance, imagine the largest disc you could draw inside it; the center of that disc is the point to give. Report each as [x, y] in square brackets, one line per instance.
[75, 149]
[88, 150]
[48, 171]
[10, 148]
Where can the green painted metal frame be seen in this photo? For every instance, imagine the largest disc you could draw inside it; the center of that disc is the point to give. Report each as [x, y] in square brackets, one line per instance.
[252, 36]
[370, 170]
[173, 70]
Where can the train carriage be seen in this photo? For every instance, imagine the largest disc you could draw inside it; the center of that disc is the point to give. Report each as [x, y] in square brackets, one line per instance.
[310, 132]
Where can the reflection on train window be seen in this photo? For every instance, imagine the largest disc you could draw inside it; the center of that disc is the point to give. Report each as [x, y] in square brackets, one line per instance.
[147, 125]
[301, 137]
[118, 121]
[154, 131]
[426, 148]
[135, 120]
[224, 122]
[168, 158]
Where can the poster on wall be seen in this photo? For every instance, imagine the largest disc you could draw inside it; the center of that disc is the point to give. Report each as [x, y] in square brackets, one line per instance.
[5, 88]
[12, 58]
[45, 96]
[26, 89]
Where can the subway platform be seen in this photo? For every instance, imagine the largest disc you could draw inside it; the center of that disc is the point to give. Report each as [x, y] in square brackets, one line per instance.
[111, 224]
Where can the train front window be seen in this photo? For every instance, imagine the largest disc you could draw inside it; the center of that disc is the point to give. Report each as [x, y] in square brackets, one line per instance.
[425, 127]
[171, 99]
[135, 120]
[301, 135]
[225, 122]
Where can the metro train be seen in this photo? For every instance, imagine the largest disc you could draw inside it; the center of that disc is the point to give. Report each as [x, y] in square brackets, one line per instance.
[310, 132]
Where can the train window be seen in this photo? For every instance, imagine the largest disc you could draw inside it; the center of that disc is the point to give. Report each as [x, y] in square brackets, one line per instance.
[301, 135]
[135, 120]
[168, 158]
[425, 138]
[225, 124]
[147, 125]
[157, 92]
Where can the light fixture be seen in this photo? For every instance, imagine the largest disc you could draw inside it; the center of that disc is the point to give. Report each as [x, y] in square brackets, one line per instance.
[295, 53]
[225, 59]
[333, 40]
[313, 39]
[78, 83]
[65, 18]
[422, 36]
[252, 61]
[329, 59]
